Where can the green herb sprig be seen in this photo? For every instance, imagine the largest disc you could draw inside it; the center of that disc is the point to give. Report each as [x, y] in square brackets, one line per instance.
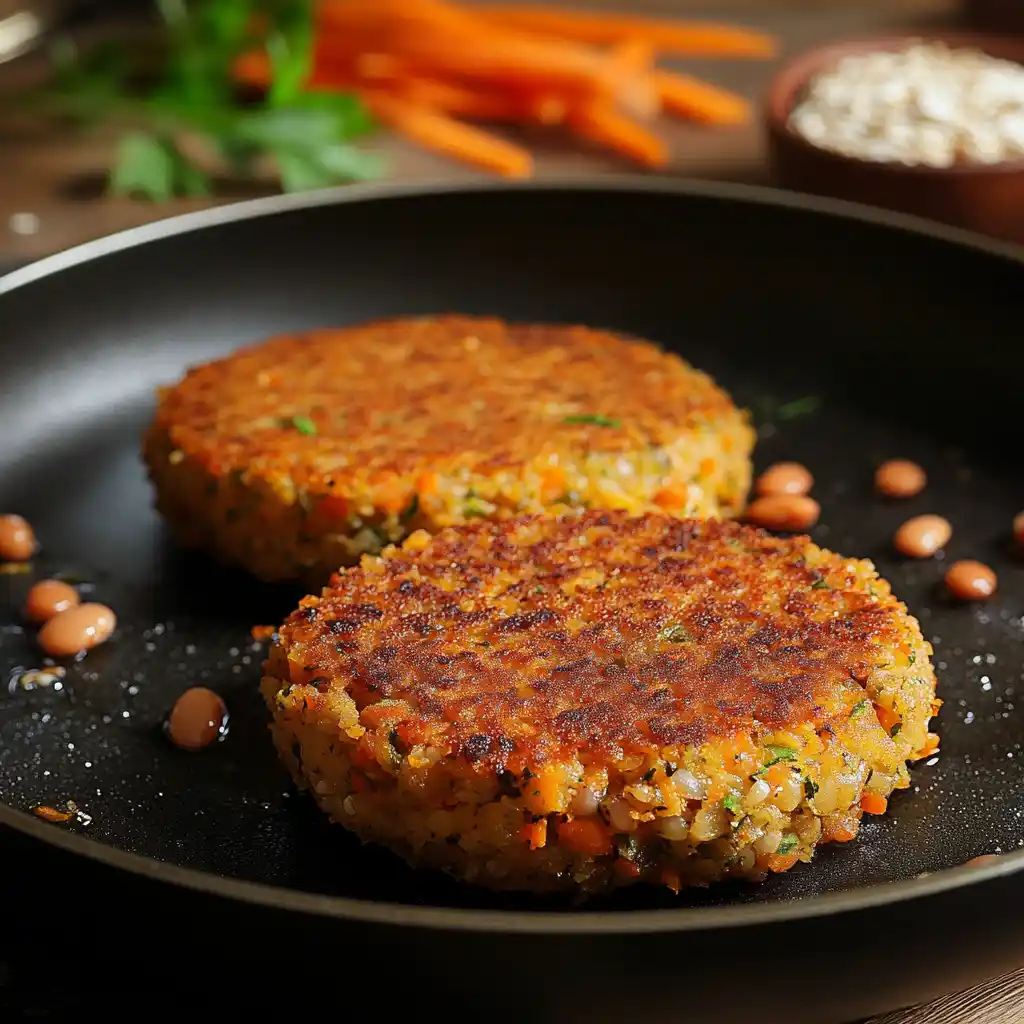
[181, 90]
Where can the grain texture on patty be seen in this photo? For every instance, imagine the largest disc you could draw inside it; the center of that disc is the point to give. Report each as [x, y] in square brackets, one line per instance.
[298, 455]
[581, 702]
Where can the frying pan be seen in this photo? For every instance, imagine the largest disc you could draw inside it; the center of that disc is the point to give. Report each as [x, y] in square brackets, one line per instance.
[854, 336]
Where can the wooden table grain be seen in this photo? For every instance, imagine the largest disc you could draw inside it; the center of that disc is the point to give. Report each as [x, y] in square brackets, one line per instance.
[51, 181]
[51, 198]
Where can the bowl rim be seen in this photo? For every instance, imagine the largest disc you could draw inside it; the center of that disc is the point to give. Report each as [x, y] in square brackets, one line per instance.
[795, 72]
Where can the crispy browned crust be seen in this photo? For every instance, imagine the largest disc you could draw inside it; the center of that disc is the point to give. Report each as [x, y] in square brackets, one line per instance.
[401, 397]
[516, 642]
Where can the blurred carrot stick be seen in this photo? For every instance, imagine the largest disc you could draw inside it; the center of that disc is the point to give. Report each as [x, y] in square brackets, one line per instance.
[692, 98]
[444, 135]
[687, 39]
[602, 124]
[439, 36]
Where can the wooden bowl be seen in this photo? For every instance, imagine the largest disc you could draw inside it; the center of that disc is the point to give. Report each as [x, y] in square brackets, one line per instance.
[987, 198]
[995, 15]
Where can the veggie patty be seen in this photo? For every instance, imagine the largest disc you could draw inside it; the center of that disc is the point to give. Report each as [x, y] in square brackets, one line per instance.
[588, 701]
[300, 454]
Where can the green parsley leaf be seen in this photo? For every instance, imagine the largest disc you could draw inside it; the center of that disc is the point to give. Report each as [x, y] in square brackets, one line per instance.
[473, 506]
[597, 421]
[798, 407]
[183, 84]
[303, 424]
[821, 584]
[810, 788]
[732, 803]
[676, 634]
[152, 167]
[895, 730]
[861, 705]
[788, 845]
[411, 509]
[781, 753]
[911, 658]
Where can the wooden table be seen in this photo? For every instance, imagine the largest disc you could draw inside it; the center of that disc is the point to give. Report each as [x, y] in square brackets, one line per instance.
[56, 178]
[51, 197]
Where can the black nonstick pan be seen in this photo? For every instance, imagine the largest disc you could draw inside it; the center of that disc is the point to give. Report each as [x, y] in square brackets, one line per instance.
[853, 336]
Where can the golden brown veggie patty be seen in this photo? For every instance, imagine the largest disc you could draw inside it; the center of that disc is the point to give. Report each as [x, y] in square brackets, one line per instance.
[300, 454]
[540, 688]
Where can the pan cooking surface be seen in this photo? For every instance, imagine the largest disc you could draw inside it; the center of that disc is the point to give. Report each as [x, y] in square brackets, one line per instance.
[902, 341]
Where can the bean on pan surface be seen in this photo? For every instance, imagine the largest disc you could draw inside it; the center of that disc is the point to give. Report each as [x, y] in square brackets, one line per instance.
[785, 478]
[1018, 528]
[17, 539]
[970, 581]
[922, 536]
[49, 598]
[899, 478]
[785, 512]
[77, 629]
[197, 719]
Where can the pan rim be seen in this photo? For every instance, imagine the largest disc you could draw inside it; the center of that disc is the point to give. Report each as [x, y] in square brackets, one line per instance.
[684, 919]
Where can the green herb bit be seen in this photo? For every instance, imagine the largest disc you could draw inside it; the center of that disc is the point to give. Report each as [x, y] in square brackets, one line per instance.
[798, 407]
[649, 774]
[185, 86]
[473, 506]
[782, 753]
[861, 705]
[895, 730]
[676, 634]
[732, 803]
[597, 421]
[810, 788]
[911, 658]
[303, 424]
[821, 584]
[411, 509]
[788, 845]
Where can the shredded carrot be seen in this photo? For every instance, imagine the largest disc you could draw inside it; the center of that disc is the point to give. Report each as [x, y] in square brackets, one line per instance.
[887, 718]
[779, 861]
[445, 135]
[51, 814]
[683, 38]
[552, 483]
[585, 835]
[546, 793]
[627, 868]
[536, 834]
[778, 774]
[872, 803]
[676, 496]
[838, 830]
[717, 791]
[333, 508]
[427, 483]
[605, 126]
[375, 715]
